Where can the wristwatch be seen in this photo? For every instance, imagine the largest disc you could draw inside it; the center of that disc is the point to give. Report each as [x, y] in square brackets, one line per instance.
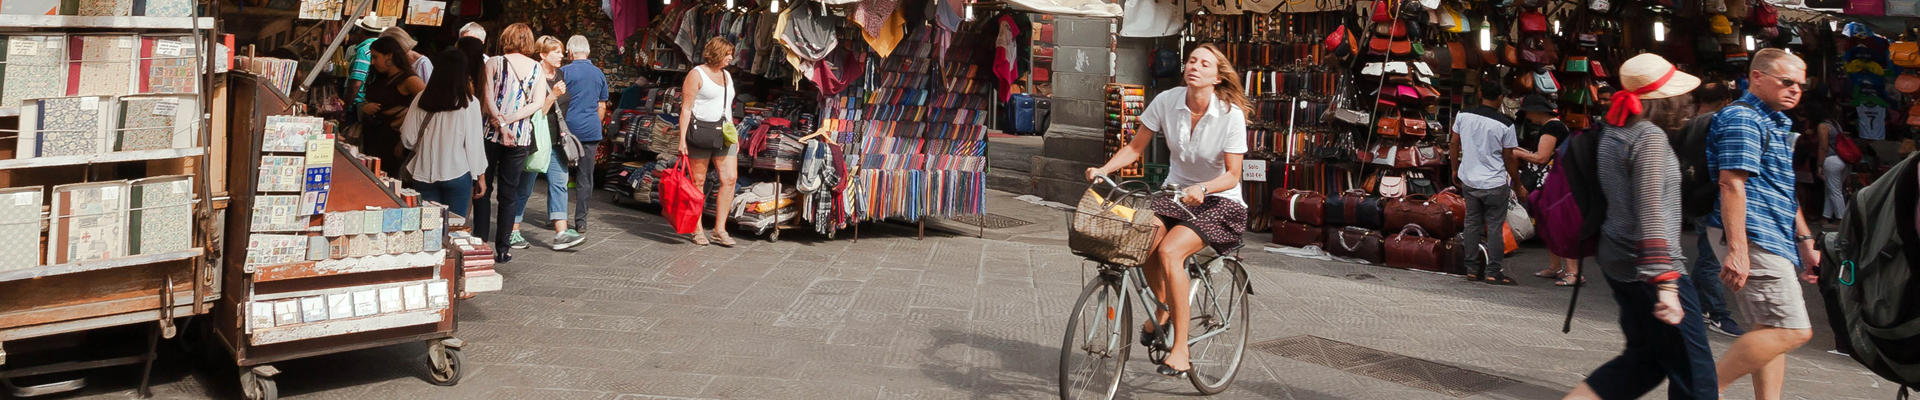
[1802, 238]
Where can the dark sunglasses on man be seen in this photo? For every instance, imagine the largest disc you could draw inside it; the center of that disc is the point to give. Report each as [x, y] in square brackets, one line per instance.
[1786, 83]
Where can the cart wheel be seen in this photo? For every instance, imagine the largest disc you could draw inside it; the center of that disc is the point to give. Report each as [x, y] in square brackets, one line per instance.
[775, 236]
[257, 387]
[449, 374]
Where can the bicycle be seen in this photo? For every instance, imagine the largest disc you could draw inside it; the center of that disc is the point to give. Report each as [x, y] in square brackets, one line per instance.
[1099, 338]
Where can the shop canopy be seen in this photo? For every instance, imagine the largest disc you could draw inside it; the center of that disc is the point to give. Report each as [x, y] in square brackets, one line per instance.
[1073, 8]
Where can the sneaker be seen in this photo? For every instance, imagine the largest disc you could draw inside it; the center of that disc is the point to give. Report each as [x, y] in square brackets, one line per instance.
[1725, 326]
[515, 241]
[568, 239]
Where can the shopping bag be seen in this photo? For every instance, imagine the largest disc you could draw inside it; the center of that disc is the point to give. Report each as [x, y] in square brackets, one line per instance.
[1518, 221]
[681, 201]
[542, 145]
[1512, 244]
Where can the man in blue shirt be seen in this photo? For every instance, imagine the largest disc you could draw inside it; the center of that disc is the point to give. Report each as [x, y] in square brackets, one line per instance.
[1757, 231]
[587, 87]
[360, 61]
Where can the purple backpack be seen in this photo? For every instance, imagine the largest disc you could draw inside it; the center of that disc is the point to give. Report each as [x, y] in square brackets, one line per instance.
[1557, 216]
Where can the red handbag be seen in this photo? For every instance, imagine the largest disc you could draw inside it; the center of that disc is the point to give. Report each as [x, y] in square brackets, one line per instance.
[1533, 22]
[1412, 248]
[1294, 234]
[1458, 205]
[1304, 206]
[682, 202]
[1383, 11]
[1764, 15]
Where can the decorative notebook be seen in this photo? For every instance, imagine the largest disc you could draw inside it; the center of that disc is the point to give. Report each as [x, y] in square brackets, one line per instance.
[68, 126]
[89, 222]
[34, 68]
[20, 227]
[271, 249]
[280, 174]
[162, 215]
[285, 133]
[155, 123]
[106, 8]
[167, 63]
[278, 213]
[100, 65]
[164, 8]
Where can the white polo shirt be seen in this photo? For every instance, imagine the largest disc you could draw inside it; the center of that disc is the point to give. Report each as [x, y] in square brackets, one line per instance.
[1198, 151]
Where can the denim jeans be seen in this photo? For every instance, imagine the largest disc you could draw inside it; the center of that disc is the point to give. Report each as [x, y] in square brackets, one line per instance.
[456, 193]
[584, 184]
[1657, 352]
[556, 190]
[504, 180]
[1486, 216]
[1707, 269]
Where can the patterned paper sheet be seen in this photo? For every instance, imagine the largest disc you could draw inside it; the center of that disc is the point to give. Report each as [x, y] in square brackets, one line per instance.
[92, 222]
[169, 8]
[278, 213]
[270, 249]
[106, 8]
[290, 134]
[105, 65]
[280, 174]
[147, 123]
[168, 63]
[20, 227]
[70, 126]
[35, 68]
[162, 215]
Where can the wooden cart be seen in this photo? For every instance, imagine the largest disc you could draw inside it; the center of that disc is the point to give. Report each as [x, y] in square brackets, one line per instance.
[48, 301]
[353, 187]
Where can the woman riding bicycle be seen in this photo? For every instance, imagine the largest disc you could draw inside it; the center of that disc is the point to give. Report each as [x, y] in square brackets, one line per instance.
[1206, 123]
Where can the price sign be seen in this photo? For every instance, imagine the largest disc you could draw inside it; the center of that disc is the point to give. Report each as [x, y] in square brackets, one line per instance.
[1253, 170]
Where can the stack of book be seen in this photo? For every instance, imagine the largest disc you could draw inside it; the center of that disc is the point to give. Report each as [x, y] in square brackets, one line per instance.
[476, 265]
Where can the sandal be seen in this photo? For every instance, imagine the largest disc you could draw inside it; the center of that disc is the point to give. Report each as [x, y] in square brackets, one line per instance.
[1551, 273]
[1568, 280]
[700, 239]
[1477, 274]
[1501, 279]
[722, 239]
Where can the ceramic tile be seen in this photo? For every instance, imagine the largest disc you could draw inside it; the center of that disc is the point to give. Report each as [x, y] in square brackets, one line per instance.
[35, 68]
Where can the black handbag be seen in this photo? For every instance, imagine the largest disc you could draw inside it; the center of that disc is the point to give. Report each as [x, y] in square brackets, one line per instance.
[706, 136]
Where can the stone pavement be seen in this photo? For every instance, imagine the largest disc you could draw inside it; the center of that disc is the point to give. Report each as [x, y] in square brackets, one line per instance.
[638, 313]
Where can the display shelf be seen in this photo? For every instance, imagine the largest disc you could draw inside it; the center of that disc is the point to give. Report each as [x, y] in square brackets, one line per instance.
[33, 22]
[84, 266]
[114, 157]
[9, 111]
[309, 269]
[311, 330]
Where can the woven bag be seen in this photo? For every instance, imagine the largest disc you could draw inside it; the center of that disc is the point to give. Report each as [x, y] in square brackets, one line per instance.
[1116, 227]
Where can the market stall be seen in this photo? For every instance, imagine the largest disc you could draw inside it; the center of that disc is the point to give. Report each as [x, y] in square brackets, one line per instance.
[105, 196]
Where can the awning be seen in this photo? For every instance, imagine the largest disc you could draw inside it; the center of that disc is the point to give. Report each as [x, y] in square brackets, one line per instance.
[1075, 8]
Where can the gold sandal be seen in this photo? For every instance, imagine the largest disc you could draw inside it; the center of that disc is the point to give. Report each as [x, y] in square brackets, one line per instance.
[700, 239]
[722, 239]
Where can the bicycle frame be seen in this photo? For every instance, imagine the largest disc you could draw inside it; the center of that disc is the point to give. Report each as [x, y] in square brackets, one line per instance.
[1134, 284]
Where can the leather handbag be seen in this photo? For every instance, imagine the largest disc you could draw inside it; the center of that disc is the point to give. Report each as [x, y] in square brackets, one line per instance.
[1354, 208]
[1389, 125]
[1412, 248]
[1430, 155]
[1419, 184]
[1452, 260]
[1294, 234]
[1458, 205]
[1304, 206]
[1413, 126]
[1405, 157]
[1393, 186]
[1422, 211]
[1533, 22]
[1904, 54]
[1355, 242]
[1336, 206]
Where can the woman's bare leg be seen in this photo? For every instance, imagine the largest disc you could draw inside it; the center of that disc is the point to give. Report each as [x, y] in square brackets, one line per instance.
[1180, 242]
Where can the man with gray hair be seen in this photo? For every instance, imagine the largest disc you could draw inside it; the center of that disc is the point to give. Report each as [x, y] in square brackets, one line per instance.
[586, 110]
[474, 30]
[1757, 230]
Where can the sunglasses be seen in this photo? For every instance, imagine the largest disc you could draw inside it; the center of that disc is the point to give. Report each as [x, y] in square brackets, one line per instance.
[1786, 83]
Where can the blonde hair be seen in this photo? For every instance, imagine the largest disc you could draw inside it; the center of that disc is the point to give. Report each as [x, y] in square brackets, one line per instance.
[717, 48]
[548, 44]
[1229, 88]
[518, 38]
[1776, 60]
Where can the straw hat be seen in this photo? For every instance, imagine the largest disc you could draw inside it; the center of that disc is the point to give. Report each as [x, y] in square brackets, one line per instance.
[1646, 69]
[400, 35]
[371, 23]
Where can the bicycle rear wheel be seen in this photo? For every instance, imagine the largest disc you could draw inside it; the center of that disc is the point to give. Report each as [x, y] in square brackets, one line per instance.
[1218, 325]
[1094, 352]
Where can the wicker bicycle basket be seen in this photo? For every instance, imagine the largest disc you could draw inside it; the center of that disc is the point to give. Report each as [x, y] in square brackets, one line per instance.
[1115, 227]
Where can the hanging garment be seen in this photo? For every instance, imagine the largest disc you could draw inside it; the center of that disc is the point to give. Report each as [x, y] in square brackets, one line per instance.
[809, 32]
[628, 16]
[687, 38]
[887, 35]
[837, 70]
[1003, 57]
[1152, 18]
[947, 14]
[1872, 121]
[1079, 8]
[801, 68]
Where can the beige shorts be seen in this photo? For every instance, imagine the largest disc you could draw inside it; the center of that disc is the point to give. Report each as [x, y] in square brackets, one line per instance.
[1772, 296]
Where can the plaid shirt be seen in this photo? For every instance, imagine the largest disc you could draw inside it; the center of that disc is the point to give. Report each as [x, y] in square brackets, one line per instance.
[1758, 140]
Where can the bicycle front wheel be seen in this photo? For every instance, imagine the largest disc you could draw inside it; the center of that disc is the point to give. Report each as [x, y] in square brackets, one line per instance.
[1218, 324]
[1094, 352]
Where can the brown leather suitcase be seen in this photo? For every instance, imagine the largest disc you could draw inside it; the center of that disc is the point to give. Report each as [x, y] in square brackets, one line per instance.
[1431, 216]
[1355, 242]
[1295, 234]
[1303, 206]
[1413, 249]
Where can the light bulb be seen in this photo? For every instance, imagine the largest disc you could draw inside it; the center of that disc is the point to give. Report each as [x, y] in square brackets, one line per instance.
[1659, 31]
[729, 4]
[1556, 28]
[1749, 42]
[1834, 25]
[774, 6]
[1486, 38]
[969, 11]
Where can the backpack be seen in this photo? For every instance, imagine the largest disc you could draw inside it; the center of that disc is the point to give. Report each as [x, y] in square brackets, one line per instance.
[1558, 214]
[1869, 283]
[1699, 189]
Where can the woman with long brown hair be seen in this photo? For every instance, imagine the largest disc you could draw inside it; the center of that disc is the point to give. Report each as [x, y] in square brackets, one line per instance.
[1205, 122]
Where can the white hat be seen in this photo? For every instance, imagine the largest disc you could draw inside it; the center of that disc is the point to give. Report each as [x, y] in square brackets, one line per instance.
[1648, 69]
[371, 23]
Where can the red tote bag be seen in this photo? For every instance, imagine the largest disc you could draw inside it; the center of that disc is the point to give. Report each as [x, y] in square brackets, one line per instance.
[682, 202]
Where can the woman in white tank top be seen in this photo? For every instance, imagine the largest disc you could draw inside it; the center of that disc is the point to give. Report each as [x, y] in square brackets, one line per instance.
[706, 104]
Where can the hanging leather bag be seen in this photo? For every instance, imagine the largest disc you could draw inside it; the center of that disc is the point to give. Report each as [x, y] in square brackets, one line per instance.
[1412, 248]
[1904, 54]
[1355, 242]
[1389, 124]
[1533, 22]
[1304, 206]
[1393, 186]
[1295, 234]
[1430, 154]
[1422, 211]
[1456, 204]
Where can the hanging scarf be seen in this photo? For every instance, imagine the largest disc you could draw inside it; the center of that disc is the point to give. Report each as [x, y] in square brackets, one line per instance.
[1626, 103]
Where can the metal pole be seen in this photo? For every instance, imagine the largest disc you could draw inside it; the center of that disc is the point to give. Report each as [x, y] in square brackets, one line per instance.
[358, 13]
